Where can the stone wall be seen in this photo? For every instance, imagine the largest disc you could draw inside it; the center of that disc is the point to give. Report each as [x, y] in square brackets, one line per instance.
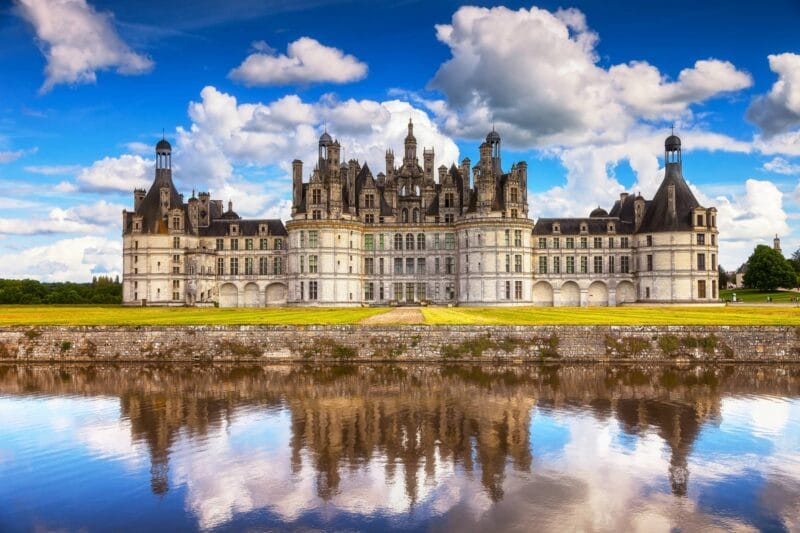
[487, 343]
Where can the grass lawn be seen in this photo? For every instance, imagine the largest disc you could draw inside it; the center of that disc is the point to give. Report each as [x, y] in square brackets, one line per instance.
[756, 296]
[613, 316]
[91, 315]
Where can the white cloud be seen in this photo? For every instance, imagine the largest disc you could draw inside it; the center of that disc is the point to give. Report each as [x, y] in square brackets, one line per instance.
[100, 217]
[11, 155]
[779, 165]
[779, 110]
[119, 174]
[52, 170]
[77, 41]
[76, 259]
[536, 74]
[306, 61]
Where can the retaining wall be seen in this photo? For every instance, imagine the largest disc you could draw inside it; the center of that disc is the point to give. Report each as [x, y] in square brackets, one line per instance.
[512, 343]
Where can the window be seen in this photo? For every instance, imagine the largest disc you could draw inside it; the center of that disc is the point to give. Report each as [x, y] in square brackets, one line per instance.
[369, 218]
[302, 264]
[517, 263]
[701, 261]
[263, 266]
[584, 242]
[611, 242]
[420, 265]
[598, 264]
[234, 244]
[313, 238]
[398, 241]
[700, 223]
[449, 199]
[517, 237]
[450, 265]
[416, 215]
[508, 290]
[570, 242]
[279, 244]
[701, 287]
[234, 266]
[316, 196]
[713, 261]
[584, 264]
[436, 268]
[625, 264]
[598, 242]
[436, 242]
[713, 240]
[409, 241]
[647, 292]
[398, 265]
[542, 243]
[409, 265]
[701, 239]
[649, 240]
[381, 241]
[518, 290]
[312, 264]
[176, 242]
[312, 290]
[176, 270]
[449, 241]
[714, 289]
[369, 291]
[556, 265]
[508, 263]
[449, 291]
[449, 218]
[369, 202]
[369, 265]
[380, 266]
[277, 265]
[611, 265]
[302, 290]
[220, 266]
[248, 266]
[263, 244]
[556, 243]
[316, 214]
[248, 244]
[508, 237]
[623, 242]
[420, 241]
[405, 215]
[649, 263]
[570, 265]
[369, 242]
[543, 264]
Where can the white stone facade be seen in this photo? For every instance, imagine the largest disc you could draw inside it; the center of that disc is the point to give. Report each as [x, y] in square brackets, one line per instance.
[405, 237]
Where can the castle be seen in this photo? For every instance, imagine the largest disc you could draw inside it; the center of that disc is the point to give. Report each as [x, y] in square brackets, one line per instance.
[415, 234]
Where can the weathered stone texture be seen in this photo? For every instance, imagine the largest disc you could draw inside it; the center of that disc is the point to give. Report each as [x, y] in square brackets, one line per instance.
[512, 343]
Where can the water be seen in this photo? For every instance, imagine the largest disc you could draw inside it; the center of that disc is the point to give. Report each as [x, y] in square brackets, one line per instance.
[414, 447]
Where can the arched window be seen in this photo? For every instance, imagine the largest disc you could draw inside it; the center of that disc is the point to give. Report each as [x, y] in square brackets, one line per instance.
[421, 241]
[405, 215]
[410, 241]
[398, 241]
[416, 215]
[416, 190]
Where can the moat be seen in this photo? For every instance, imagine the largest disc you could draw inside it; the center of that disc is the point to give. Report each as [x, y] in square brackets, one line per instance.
[103, 447]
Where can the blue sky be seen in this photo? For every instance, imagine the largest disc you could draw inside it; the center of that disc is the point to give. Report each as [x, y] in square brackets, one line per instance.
[585, 93]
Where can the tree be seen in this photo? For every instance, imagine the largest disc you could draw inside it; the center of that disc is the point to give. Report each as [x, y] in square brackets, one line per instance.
[723, 278]
[795, 261]
[767, 270]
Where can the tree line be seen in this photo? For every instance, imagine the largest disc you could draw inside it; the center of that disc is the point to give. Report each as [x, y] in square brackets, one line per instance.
[102, 290]
[767, 270]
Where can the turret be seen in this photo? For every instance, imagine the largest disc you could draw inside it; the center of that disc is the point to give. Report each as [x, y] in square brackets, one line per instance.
[333, 156]
[465, 165]
[138, 196]
[638, 210]
[194, 212]
[163, 161]
[410, 145]
[204, 215]
[493, 140]
[427, 163]
[297, 183]
[389, 162]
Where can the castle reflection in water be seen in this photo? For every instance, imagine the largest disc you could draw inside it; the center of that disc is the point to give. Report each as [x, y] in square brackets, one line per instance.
[475, 418]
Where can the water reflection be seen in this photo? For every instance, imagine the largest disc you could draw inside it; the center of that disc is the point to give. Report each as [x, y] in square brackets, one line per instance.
[403, 447]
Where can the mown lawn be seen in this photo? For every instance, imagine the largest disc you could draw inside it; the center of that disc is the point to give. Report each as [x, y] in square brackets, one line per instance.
[756, 296]
[613, 316]
[34, 315]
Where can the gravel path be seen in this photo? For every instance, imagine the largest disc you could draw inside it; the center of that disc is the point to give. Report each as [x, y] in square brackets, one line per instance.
[399, 315]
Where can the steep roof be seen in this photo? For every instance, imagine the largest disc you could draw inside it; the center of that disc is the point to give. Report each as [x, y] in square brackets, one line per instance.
[658, 216]
[150, 208]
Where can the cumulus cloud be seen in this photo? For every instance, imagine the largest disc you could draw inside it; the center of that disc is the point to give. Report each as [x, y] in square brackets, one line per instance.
[77, 41]
[9, 156]
[779, 165]
[536, 74]
[76, 259]
[306, 61]
[779, 109]
[114, 174]
[53, 170]
[227, 135]
[99, 217]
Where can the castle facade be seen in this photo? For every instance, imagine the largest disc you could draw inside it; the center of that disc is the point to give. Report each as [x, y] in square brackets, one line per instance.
[417, 234]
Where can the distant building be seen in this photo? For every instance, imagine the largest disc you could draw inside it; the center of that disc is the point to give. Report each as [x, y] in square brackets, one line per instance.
[412, 234]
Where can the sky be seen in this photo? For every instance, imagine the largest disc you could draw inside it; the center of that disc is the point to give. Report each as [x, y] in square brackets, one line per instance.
[585, 93]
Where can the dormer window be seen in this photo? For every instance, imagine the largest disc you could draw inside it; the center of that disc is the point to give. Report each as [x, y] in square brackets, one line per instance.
[700, 220]
[610, 228]
[583, 228]
[262, 229]
[556, 227]
[234, 229]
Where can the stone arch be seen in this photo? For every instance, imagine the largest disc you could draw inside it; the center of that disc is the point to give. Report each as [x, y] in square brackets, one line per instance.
[570, 294]
[251, 295]
[625, 292]
[275, 294]
[228, 295]
[597, 295]
[543, 294]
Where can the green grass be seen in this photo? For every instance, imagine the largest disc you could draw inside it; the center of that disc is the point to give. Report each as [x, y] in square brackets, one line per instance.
[756, 296]
[91, 315]
[613, 316]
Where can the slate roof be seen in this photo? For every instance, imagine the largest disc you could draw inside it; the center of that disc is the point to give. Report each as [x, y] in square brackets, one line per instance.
[658, 217]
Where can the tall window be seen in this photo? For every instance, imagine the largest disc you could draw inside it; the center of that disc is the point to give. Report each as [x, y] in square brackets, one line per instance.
[313, 238]
[701, 287]
[409, 241]
[508, 290]
[248, 244]
[380, 266]
[570, 242]
[436, 242]
[398, 241]
[598, 242]
[556, 265]
[248, 266]
[556, 242]
[508, 262]
[570, 265]
[611, 265]
[420, 241]
[543, 264]
[312, 290]
[625, 264]
[369, 200]
[508, 237]
[517, 237]
[234, 266]
[542, 242]
[449, 241]
[518, 290]
[449, 199]
[409, 265]
[316, 196]
[584, 242]
[517, 263]
[312, 264]
[279, 244]
[234, 244]
[450, 265]
[420, 265]
[263, 244]
[701, 261]
[220, 266]
[623, 242]
[598, 264]
[701, 239]
[369, 242]
[220, 244]
[381, 241]
[584, 264]
[369, 291]
[649, 263]
[398, 265]
[263, 266]
[649, 240]
[176, 242]
[514, 195]
[611, 242]
[369, 265]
